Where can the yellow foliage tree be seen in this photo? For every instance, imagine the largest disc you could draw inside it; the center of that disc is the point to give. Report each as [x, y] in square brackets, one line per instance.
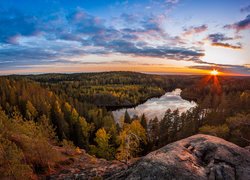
[31, 111]
[103, 148]
[130, 139]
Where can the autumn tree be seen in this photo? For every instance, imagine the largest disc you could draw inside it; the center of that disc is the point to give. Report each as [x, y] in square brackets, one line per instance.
[130, 139]
[103, 148]
[58, 120]
[25, 147]
[11, 161]
[31, 111]
[82, 131]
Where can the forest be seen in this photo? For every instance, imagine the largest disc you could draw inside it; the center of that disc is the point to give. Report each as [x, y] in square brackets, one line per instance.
[40, 111]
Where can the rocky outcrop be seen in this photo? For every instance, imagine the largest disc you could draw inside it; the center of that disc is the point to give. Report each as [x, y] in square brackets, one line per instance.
[196, 157]
[83, 166]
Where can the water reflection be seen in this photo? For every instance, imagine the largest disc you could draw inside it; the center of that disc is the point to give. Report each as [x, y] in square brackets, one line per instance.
[157, 106]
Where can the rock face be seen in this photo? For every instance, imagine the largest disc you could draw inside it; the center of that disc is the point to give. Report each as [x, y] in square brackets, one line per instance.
[196, 157]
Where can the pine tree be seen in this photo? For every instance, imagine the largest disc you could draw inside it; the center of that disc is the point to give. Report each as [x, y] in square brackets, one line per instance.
[58, 120]
[165, 126]
[154, 130]
[127, 118]
[144, 122]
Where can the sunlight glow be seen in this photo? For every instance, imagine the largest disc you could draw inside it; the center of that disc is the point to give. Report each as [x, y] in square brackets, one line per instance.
[214, 72]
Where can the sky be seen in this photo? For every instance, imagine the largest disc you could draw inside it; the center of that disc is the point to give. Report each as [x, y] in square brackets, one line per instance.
[152, 36]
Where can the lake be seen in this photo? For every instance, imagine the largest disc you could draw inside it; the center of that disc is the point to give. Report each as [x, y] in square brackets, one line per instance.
[157, 106]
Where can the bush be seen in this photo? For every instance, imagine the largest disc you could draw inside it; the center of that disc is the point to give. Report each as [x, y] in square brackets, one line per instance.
[219, 131]
[25, 146]
[12, 165]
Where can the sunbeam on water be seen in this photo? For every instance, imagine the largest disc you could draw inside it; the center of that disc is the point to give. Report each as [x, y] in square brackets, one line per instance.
[156, 107]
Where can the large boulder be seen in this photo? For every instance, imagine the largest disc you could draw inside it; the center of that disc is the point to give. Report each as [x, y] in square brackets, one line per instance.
[197, 157]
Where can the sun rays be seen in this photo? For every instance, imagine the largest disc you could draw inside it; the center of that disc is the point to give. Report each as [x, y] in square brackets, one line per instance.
[214, 72]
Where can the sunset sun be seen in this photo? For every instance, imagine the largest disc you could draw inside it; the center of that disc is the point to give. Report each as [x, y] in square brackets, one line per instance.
[214, 72]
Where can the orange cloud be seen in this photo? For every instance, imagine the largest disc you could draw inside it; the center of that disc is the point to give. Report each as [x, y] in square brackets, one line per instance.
[226, 45]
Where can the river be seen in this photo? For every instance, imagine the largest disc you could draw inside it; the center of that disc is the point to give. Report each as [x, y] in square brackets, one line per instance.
[157, 106]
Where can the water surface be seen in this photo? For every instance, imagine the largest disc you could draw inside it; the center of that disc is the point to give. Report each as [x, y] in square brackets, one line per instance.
[157, 106]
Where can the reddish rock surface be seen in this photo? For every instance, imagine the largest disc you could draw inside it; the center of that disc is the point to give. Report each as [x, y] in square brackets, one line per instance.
[196, 157]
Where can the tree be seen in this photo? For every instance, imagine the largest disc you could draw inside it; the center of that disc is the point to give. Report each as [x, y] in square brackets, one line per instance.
[31, 111]
[144, 122]
[113, 131]
[11, 161]
[127, 118]
[220, 131]
[25, 147]
[176, 124]
[82, 131]
[130, 140]
[103, 148]
[154, 132]
[239, 128]
[57, 116]
[165, 125]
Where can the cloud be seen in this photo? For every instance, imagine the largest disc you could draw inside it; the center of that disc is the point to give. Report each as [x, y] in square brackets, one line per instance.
[126, 47]
[226, 45]
[245, 9]
[172, 1]
[129, 18]
[218, 39]
[151, 24]
[228, 69]
[195, 30]
[14, 24]
[85, 23]
[241, 25]
[64, 35]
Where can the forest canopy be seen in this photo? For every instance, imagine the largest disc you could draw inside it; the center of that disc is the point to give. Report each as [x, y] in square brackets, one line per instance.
[39, 111]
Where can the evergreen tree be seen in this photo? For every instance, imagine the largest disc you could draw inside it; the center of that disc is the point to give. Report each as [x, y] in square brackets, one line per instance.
[127, 118]
[82, 131]
[62, 127]
[144, 122]
[176, 124]
[165, 125]
[154, 132]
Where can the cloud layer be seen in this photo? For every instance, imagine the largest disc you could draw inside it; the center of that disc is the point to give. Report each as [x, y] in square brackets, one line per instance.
[62, 35]
[240, 25]
[219, 39]
[195, 30]
[146, 30]
[226, 69]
